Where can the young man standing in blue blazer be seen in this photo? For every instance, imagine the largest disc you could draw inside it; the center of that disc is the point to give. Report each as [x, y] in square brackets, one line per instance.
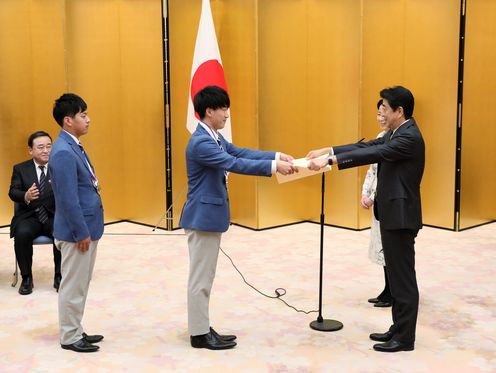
[205, 215]
[78, 223]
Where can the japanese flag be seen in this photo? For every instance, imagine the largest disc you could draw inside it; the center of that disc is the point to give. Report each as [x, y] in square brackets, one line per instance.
[207, 67]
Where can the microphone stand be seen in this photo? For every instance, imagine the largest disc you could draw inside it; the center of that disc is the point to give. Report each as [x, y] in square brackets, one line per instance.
[321, 324]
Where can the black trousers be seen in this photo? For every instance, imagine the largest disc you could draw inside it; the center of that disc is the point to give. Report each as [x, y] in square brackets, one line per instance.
[26, 231]
[399, 253]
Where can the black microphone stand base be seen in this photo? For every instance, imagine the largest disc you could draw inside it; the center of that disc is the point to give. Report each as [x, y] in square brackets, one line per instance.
[326, 325]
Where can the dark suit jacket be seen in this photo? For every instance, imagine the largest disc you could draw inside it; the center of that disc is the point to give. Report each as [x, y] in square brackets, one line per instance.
[23, 176]
[401, 162]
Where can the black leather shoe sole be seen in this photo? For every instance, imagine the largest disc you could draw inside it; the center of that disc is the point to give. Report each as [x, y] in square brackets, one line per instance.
[56, 283]
[382, 304]
[211, 342]
[80, 346]
[393, 346]
[373, 300]
[381, 337]
[92, 338]
[25, 290]
[218, 346]
[223, 337]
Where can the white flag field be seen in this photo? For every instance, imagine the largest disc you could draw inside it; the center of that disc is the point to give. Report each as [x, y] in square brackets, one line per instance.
[207, 67]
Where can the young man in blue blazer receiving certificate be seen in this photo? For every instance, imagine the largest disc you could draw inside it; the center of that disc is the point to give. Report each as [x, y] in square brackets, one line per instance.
[205, 215]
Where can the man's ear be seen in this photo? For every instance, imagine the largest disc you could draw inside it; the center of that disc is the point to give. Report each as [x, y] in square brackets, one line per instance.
[67, 121]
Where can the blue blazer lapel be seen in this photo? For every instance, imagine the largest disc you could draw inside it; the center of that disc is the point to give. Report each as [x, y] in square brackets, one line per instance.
[201, 131]
[76, 149]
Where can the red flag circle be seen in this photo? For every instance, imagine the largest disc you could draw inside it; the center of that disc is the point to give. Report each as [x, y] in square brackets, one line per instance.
[208, 73]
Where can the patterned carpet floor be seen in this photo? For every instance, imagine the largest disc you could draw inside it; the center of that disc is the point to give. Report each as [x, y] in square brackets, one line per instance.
[137, 299]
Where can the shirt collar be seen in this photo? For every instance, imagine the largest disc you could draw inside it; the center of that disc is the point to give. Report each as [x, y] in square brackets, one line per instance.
[399, 126]
[213, 134]
[38, 165]
[73, 137]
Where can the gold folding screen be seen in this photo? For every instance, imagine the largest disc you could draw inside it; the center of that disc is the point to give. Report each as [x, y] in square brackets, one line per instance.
[32, 74]
[302, 74]
[403, 43]
[306, 74]
[478, 171]
[109, 52]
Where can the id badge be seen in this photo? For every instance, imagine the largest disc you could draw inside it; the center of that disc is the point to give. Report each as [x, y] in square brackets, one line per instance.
[96, 185]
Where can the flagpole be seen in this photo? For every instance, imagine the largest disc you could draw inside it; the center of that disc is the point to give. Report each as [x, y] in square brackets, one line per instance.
[321, 324]
[167, 130]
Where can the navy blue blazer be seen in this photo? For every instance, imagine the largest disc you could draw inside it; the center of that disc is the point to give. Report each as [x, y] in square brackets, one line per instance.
[79, 211]
[207, 203]
[401, 161]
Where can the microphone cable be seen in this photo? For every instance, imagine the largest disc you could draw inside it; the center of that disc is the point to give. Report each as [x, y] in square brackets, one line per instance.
[280, 292]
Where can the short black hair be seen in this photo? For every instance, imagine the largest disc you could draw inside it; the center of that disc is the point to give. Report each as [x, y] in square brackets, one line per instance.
[212, 97]
[67, 105]
[399, 96]
[379, 103]
[35, 135]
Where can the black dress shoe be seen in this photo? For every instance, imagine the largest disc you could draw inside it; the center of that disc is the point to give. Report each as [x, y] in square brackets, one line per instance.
[81, 346]
[224, 337]
[373, 300]
[382, 303]
[393, 346]
[210, 341]
[92, 338]
[381, 337]
[56, 281]
[26, 286]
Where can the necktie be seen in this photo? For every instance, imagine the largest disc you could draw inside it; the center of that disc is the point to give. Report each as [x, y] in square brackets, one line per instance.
[225, 172]
[94, 180]
[41, 211]
[86, 157]
[42, 179]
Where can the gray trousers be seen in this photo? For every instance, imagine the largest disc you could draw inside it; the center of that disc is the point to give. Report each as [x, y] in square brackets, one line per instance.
[76, 268]
[203, 254]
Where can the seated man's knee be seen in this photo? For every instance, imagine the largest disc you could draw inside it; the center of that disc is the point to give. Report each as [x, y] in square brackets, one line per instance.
[23, 234]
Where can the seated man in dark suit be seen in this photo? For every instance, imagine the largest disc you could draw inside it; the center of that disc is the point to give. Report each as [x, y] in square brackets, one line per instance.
[30, 189]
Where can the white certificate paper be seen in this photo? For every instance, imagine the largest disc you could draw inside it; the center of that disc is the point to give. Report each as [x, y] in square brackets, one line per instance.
[303, 171]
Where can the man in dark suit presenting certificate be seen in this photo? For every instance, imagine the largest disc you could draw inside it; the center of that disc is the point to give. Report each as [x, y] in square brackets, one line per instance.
[400, 155]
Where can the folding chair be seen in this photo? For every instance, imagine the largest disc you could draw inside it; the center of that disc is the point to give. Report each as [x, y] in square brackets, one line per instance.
[40, 240]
